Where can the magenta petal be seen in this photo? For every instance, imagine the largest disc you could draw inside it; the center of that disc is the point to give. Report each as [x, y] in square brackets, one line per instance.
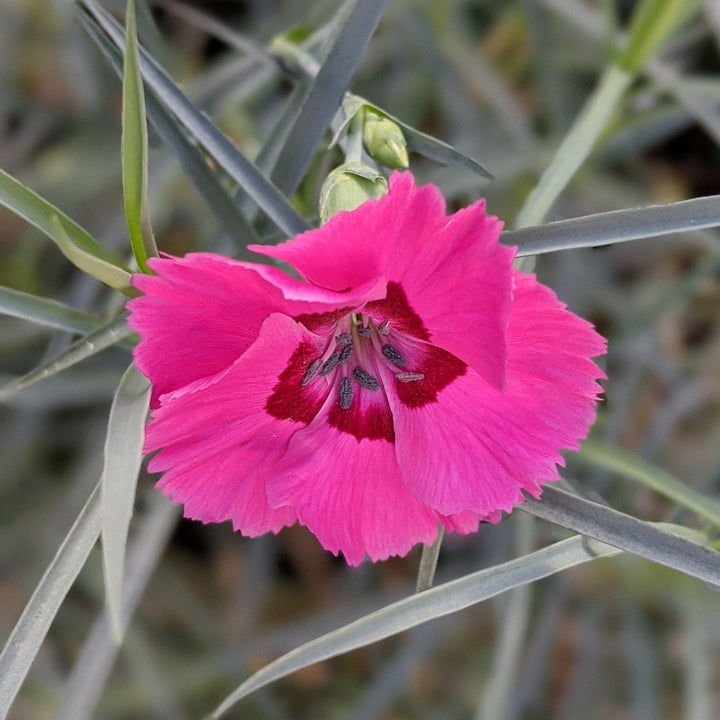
[460, 285]
[198, 314]
[382, 235]
[454, 274]
[412, 379]
[476, 449]
[349, 494]
[217, 441]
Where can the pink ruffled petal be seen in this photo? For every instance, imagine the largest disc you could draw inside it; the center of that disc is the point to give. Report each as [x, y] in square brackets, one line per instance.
[451, 274]
[199, 313]
[349, 494]
[460, 285]
[476, 449]
[355, 247]
[313, 298]
[217, 441]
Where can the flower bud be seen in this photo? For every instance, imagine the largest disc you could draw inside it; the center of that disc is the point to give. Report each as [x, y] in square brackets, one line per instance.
[349, 186]
[384, 140]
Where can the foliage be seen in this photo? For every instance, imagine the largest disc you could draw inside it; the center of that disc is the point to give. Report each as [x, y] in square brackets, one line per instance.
[604, 124]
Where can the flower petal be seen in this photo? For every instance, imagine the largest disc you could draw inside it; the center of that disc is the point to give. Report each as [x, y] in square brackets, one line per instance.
[460, 285]
[476, 449]
[217, 441]
[354, 247]
[349, 494]
[453, 277]
[199, 313]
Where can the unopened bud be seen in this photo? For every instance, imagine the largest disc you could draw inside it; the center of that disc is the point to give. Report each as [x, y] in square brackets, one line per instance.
[349, 186]
[384, 140]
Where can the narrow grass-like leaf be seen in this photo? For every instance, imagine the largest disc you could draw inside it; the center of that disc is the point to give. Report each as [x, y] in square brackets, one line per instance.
[652, 22]
[75, 243]
[634, 468]
[423, 607]
[88, 262]
[123, 455]
[43, 311]
[86, 682]
[103, 337]
[224, 153]
[625, 532]
[664, 74]
[135, 149]
[28, 634]
[617, 226]
[439, 151]
[206, 180]
[325, 94]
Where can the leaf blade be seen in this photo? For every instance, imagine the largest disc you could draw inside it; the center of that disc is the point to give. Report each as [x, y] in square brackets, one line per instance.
[29, 632]
[423, 607]
[75, 243]
[89, 675]
[616, 226]
[105, 336]
[134, 149]
[634, 468]
[625, 532]
[205, 180]
[234, 163]
[324, 95]
[47, 312]
[123, 456]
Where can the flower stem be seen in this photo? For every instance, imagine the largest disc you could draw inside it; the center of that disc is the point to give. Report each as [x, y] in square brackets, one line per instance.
[428, 562]
[353, 146]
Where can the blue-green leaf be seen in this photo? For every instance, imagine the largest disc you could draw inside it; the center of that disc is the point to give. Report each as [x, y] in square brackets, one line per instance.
[135, 149]
[74, 242]
[123, 455]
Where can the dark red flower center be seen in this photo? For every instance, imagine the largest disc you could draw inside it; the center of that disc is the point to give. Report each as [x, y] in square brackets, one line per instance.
[380, 348]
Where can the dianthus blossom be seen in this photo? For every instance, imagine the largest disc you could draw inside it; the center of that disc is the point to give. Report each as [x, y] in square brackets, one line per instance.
[412, 378]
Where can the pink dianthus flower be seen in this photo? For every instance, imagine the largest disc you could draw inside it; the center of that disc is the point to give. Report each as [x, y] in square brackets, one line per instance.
[414, 378]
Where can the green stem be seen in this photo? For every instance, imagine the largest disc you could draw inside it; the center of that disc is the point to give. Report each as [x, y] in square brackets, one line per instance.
[353, 147]
[576, 146]
[428, 562]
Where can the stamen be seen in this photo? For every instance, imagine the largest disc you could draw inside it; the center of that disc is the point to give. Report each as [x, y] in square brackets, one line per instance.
[311, 372]
[407, 377]
[365, 332]
[365, 379]
[344, 339]
[384, 327]
[346, 393]
[330, 364]
[392, 355]
[345, 353]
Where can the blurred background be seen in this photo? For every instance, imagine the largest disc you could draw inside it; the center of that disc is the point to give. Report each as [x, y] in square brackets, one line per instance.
[502, 82]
